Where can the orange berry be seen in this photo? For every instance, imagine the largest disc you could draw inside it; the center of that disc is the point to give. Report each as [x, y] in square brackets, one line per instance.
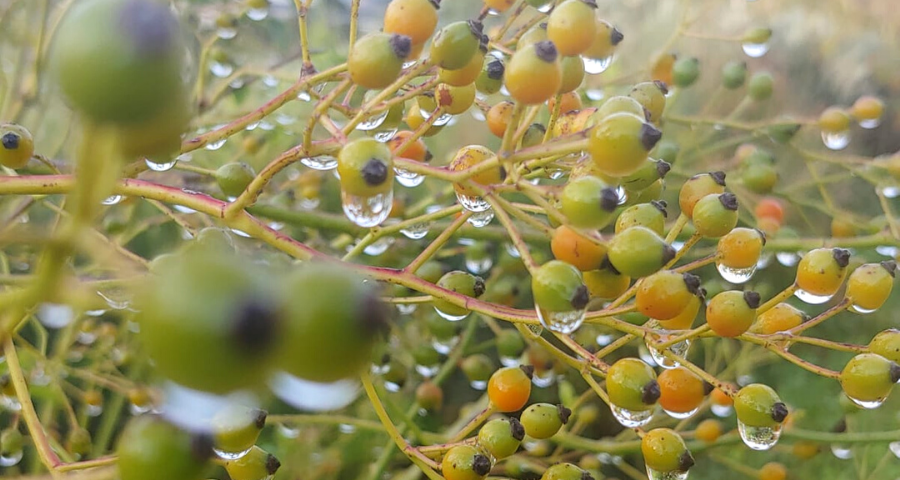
[685, 319]
[572, 26]
[414, 151]
[499, 6]
[567, 102]
[665, 294]
[708, 430]
[834, 120]
[470, 156]
[662, 68]
[416, 19]
[719, 397]
[780, 318]
[681, 391]
[770, 208]
[498, 117]
[805, 450]
[740, 248]
[773, 471]
[573, 248]
[697, 187]
[509, 388]
[732, 312]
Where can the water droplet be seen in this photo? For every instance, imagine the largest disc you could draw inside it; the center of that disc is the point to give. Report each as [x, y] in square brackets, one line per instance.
[764, 260]
[788, 259]
[562, 322]
[391, 386]
[543, 378]
[320, 162]
[367, 211]
[644, 354]
[183, 209]
[842, 452]
[867, 404]
[230, 455]
[509, 361]
[221, 69]
[406, 308]
[595, 94]
[266, 125]
[870, 123]
[890, 191]
[308, 203]
[887, 250]
[811, 298]
[479, 266]
[504, 91]
[408, 179]
[673, 475]
[10, 403]
[604, 339]
[631, 418]
[860, 310]
[346, 428]
[477, 114]
[385, 135]
[735, 275]
[258, 14]
[373, 122]
[416, 231]
[193, 410]
[536, 329]
[744, 379]
[449, 316]
[240, 233]
[213, 146]
[512, 250]
[479, 385]
[112, 200]
[427, 371]
[288, 431]
[379, 246]
[409, 63]
[759, 438]
[681, 415]
[160, 166]
[895, 448]
[236, 83]
[9, 459]
[545, 8]
[755, 50]
[54, 315]
[117, 299]
[594, 66]
[226, 33]
[270, 81]
[492, 12]
[836, 141]
[313, 396]
[304, 96]
[481, 219]
[443, 346]
[721, 411]
[285, 119]
[680, 349]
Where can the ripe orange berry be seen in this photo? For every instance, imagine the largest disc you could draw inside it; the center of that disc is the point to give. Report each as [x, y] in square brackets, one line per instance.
[719, 397]
[773, 471]
[662, 68]
[681, 391]
[567, 102]
[509, 388]
[732, 312]
[665, 294]
[416, 19]
[572, 27]
[822, 271]
[571, 247]
[414, 151]
[708, 430]
[780, 318]
[498, 117]
[465, 75]
[537, 61]
[685, 319]
[805, 450]
[499, 6]
[770, 208]
[740, 248]
[768, 225]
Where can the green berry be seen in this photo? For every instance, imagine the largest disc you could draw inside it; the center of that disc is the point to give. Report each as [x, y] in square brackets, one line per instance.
[366, 167]
[460, 282]
[454, 45]
[665, 451]
[490, 80]
[652, 95]
[715, 215]
[257, 464]
[734, 74]
[565, 471]
[233, 178]
[150, 449]
[376, 59]
[685, 72]
[621, 142]
[477, 368]
[761, 86]
[868, 377]
[558, 287]
[510, 343]
[543, 420]
[620, 104]
[666, 150]
[649, 172]
[638, 252]
[588, 202]
[501, 437]
[757, 405]
[631, 384]
[650, 215]
[887, 344]
[236, 428]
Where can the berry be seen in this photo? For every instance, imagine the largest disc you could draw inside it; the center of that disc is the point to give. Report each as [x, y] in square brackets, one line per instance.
[470, 156]
[732, 312]
[773, 471]
[572, 76]
[822, 271]
[867, 108]
[466, 75]
[333, 322]
[463, 462]
[509, 388]
[539, 60]
[757, 405]
[571, 26]
[834, 120]
[708, 430]
[740, 248]
[759, 177]
[588, 202]
[498, 117]
[215, 306]
[454, 45]
[681, 391]
[780, 318]
[535, 34]
[649, 215]
[416, 150]
[638, 252]
[414, 119]
[685, 72]
[761, 86]
[499, 6]
[697, 187]
[621, 142]
[543, 420]
[769, 208]
[236, 428]
[490, 79]
[365, 166]
[685, 319]
[661, 70]
[234, 178]
[887, 344]
[501, 437]
[664, 451]
[665, 294]
[416, 19]
[649, 172]
[734, 74]
[870, 285]
[16, 145]
[565, 471]
[534, 135]
[805, 450]
[460, 282]
[631, 384]
[567, 102]
[254, 465]
[477, 368]
[606, 283]
[376, 59]
[454, 100]
[869, 377]
[150, 449]
[429, 396]
[558, 287]
[128, 72]
[622, 104]
[715, 215]
[571, 247]
[652, 95]
[667, 151]
[606, 40]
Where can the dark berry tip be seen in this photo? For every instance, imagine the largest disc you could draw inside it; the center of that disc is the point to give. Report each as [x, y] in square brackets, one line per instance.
[650, 393]
[564, 413]
[149, 26]
[374, 315]
[662, 168]
[590, 3]
[707, 387]
[428, 156]
[476, 27]
[401, 45]
[650, 136]
[546, 51]
[841, 256]
[478, 288]
[609, 199]
[752, 299]
[718, 177]
[895, 372]
[586, 476]
[840, 426]
[616, 37]
[762, 236]
[436, 4]
[375, 172]
[528, 370]
[692, 282]
[516, 429]
[647, 114]
[701, 292]
[483, 43]
[542, 25]
[255, 326]
[495, 69]
[10, 141]
[685, 461]
[259, 418]
[581, 297]
[661, 205]
[779, 412]
[481, 465]
[272, 464]
[661, 85]
[668, 253]
[606, 264]
[890, 266]
[502, 173]
[729, 201]
[202, 446]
